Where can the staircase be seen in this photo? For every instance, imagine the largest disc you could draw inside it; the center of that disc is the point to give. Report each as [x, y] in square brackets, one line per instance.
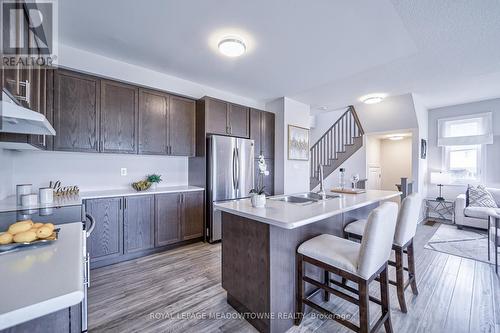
[338, 143]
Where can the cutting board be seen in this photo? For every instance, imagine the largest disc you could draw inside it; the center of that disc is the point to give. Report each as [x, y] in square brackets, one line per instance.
[348, 190]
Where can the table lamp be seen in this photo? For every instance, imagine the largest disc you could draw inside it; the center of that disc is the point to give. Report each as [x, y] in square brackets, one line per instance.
[440, 179]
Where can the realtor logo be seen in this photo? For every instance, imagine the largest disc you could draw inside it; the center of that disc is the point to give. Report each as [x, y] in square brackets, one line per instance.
[29, 34]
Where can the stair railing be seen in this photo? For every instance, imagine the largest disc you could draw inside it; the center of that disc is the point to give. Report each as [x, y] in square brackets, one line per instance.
[335, 139]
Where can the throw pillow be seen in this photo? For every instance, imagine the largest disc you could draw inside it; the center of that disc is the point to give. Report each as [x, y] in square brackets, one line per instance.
[480, 197]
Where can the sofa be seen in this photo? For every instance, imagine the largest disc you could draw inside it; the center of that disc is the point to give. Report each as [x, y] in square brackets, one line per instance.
[476, 217]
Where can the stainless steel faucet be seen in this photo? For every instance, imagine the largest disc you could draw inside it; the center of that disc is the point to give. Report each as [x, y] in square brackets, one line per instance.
[321, 184]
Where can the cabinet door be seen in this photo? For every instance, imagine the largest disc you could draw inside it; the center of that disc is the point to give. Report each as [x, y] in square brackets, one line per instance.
[167, 219]
[42, 78]
[181, 126]
[76, 112]
[267, 134]
[119, 110]
[192, 217]
[216, 116]
[153, 125]
[138, 223]
[106, 241]
[239, 120]
[269, 179]
[255, 129]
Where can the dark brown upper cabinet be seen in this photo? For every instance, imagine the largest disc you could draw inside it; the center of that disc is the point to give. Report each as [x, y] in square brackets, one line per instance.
[226, 118]
[262, 132]
[166, 124]
[239, 120]
[153, 122]
[216, 116]
[181, 120]
[119, 116]
[76, 111]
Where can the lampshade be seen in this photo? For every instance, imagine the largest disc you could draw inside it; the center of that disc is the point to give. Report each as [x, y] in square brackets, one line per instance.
[440, 178]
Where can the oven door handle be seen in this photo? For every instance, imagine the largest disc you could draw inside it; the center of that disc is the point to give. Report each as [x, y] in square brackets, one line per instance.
[91, 219]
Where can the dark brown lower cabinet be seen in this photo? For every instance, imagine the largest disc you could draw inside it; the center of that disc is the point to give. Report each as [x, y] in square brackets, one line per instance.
[138, 223]
[133, 226]
[192, 219]
[66, 320]
[167, 218]
[106, 241]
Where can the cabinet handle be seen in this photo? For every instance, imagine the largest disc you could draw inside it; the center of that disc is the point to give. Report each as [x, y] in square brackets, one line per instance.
[120, 204]
[125, 203]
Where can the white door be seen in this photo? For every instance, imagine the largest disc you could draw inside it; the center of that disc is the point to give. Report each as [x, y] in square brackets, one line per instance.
[374, 176]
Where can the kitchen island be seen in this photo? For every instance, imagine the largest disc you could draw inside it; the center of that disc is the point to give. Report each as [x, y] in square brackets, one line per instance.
[259, 245]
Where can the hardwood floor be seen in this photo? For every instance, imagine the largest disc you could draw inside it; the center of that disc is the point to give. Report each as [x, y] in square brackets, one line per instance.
[180, 291]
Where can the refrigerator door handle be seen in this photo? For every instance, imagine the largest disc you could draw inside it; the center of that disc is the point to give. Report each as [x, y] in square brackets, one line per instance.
[234, 168]
[238, 170]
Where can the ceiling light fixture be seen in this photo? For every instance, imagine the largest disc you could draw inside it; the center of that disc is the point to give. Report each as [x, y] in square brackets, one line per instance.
[373, 98]
[232, 46]
[395, 137]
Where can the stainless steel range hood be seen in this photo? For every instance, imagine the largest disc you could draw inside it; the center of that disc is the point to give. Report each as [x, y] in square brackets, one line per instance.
[18, 119]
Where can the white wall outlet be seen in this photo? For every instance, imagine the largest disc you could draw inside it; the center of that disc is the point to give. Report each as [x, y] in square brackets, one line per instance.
[123, 171]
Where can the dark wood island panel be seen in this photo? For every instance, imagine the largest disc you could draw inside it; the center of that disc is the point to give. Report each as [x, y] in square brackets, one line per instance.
[258, 265]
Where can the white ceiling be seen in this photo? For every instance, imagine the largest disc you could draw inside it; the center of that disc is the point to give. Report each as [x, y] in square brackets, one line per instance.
[321, 52]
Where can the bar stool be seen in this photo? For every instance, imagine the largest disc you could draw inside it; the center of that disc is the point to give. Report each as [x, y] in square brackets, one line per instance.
[357, 262]
[406, 228]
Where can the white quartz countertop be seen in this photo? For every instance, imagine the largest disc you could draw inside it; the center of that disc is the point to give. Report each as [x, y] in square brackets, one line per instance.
[9, 203]
[131, 192]
[36, 282]
[290, 215]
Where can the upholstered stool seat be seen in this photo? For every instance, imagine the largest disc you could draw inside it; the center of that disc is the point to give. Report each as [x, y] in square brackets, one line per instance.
[332, 250]
[406, 228]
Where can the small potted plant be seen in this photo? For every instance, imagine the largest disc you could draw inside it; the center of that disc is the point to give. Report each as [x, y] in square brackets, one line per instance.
[154, 179]
[257, 194]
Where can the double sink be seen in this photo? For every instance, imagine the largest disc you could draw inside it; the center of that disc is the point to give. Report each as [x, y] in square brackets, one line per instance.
[305, 198]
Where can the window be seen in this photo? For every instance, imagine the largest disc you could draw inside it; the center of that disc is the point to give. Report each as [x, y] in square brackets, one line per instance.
[463, 140]
[463, 163]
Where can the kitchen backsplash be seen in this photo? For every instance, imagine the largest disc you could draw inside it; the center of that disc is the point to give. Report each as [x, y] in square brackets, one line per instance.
[92, 171]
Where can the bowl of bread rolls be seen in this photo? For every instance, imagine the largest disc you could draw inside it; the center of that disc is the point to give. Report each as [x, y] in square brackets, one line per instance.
[27, 233]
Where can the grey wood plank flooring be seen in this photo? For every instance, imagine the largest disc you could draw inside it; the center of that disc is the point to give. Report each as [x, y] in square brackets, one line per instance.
[164, 292]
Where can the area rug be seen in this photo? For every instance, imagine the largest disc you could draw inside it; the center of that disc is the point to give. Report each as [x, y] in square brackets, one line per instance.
[466, 243]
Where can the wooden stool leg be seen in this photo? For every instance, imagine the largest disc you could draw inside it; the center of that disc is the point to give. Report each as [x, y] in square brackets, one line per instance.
[400, 283]
[411, 268]
[299, 305]
[364, 313]
[326, 294]
[384, 296]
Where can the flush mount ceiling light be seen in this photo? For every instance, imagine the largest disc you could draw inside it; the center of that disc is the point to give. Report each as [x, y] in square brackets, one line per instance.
[232, 46]
[395, 137]
[373, 98]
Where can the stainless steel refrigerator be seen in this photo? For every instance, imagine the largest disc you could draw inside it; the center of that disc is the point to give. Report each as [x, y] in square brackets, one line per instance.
[230, 175]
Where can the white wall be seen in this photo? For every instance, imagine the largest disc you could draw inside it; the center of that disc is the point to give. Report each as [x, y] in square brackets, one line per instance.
[372, 151]
[94, 171]
[6, 172]
[395, 162]
[92, 63]
[290, 176]
[434, 153]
